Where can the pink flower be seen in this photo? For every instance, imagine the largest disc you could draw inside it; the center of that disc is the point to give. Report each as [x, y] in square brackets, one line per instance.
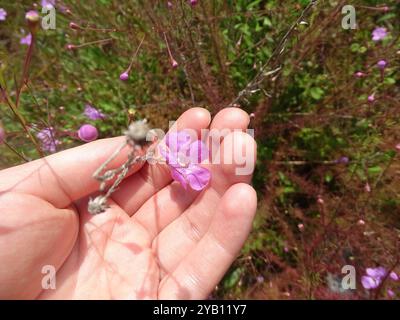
[360, 74]
[183, 157]
[391, 293]
[193, 2]
[379, 34]
[26, 40]
[124, 76]
[393, 275]
[174, 63]
[382, 64]
[397, 147]
[371, 98]
[32, 16]
[88, 133]
[48, 3]
[92, 113]
[361, 222]
[48, 140]
[373, 277]
[3, 14]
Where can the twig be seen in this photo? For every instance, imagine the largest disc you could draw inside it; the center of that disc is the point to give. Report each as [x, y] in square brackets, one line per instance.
[253, 85]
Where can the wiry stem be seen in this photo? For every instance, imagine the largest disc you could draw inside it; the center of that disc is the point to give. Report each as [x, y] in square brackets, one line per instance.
[254, 85]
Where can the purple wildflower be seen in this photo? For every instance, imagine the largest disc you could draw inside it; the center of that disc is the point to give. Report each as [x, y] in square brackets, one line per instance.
[92, 113]
[47, 138]
[48, 3]
[391, 293]
[193, 2]
[382, 64]
[88, 133]
[183, 156]
[3, 14]
[343, 160]
[26, 40]
[124, 76]
[371, 98]
[174, 63]
[32, 16]
[373, 277]
[379, 34]
[393, 275]
[360, 74]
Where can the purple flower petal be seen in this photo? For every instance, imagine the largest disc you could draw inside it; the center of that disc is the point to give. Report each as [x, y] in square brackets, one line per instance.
[47, 139]
[26, 40]
[198, 177]
[198, 152]
[377, 273]
[379, 33]
[178, 176]
[369, 282]
[92, 113]
[178, 141]
[3, 14]
[393, 275]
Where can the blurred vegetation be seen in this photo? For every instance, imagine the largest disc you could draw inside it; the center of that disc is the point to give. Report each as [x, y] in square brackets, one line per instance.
[316, 212]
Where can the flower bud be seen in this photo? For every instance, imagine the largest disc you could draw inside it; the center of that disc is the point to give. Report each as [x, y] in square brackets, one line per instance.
[382, 64]
[88, 133]
[124, 76]
[174, 63]
[33, 18]
[74, 26]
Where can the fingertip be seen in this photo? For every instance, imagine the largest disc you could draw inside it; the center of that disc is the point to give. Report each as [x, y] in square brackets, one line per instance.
[239, 154]
[194, 118]
[232, 118]
[242, 200]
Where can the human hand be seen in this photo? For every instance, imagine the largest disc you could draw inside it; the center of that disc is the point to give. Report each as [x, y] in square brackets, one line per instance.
[156, 241]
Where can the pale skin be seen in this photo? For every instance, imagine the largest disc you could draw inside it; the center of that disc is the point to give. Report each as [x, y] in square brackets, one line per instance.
[156, 241]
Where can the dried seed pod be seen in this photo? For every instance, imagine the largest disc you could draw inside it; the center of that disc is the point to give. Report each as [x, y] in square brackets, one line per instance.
[137, 133]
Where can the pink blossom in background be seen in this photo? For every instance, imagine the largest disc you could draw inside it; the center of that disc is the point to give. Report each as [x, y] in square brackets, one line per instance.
[88, 133]
[371, 98]
[379, 34]
[3, 14]
[183, 157]
[48, 3]
[27, 40]
[373, 277]
[92, 113]
[393, 275]
[124, 76]
[47, 138]
[382, 64]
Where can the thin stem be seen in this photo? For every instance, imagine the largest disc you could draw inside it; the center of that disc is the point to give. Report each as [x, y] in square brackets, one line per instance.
[135, 54]
[15, 151]
[22, 121]
[27, 63]
[92, 42]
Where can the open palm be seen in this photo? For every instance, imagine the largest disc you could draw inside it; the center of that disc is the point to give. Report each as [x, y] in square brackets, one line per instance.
[157, 241]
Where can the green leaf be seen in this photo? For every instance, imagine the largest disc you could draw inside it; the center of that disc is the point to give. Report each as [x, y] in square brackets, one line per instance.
[316, 93]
